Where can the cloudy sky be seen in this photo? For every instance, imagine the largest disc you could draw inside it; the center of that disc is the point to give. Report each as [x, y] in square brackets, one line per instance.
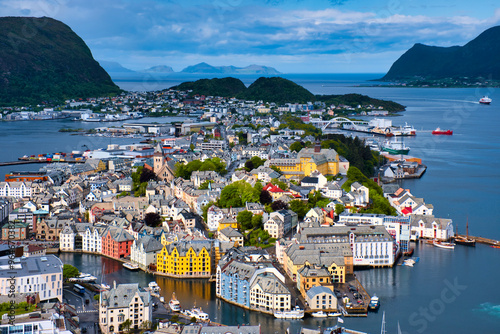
[294, 36]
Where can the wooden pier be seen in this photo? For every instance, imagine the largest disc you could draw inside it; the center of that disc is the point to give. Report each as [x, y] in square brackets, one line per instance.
[482, 240]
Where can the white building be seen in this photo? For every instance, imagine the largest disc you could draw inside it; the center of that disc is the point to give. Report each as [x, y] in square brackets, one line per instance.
[332, 190]
[15, 189]
[92, 239]
[430, 227]
[275, 227]
[67, 239]
[214, 216]
[41, 326]
[122, 302]
[143, 251]
[40, 275]
[268, 293]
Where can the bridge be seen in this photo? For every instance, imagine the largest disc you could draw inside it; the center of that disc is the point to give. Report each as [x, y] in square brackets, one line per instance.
[340, 122]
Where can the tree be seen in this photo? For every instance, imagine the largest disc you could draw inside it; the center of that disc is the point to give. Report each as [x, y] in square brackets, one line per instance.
[69, 271]
[278, 205]
[339, 208]
[147, 175]
[297, 146]
[281, 184]
[244, 218]
[205, 209]
[204, 185]
[125, 326]
[237, 194]
[299, 207]
[257, 221]
[265, 197]
[152, 219]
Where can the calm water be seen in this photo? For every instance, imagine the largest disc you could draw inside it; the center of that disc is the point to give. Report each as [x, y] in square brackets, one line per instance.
[447, 291]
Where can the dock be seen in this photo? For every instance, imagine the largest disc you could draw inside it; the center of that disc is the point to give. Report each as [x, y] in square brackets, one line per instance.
[482, 240]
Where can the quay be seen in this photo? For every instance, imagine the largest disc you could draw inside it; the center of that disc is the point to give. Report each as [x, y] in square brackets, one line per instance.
[482, 240]
[24, 162]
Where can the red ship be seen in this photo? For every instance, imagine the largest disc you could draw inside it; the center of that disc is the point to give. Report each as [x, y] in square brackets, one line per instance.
[438, 131]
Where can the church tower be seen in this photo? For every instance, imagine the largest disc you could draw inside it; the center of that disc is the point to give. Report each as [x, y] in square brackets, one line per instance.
[158, 159]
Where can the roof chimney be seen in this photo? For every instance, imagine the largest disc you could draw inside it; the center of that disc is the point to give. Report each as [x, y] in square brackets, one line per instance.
[114, 284]
[317, 146]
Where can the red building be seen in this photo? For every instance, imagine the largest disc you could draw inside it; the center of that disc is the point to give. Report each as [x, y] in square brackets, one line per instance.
[116, 243]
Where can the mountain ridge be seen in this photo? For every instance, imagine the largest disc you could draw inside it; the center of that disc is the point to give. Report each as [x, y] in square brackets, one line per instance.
[475, 59]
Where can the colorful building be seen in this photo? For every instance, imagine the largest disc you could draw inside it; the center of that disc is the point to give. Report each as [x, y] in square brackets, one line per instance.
[186, 259]
[116, 243]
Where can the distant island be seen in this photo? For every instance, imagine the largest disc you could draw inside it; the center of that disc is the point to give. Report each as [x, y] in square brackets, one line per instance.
[277, 90]
[474, 64]
[201, 68]
[52, 65]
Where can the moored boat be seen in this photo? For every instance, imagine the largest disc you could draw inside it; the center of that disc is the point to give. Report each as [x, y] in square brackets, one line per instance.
[485, 100]
[296, 313]
[319, 314]
[153, 287]
[131, 266]
[335, 314]
[438, 131]
[395, 147]
[442, 244]
[495, 246]
[197, 313]
[174, 304]
[374, 304]
[465, 241]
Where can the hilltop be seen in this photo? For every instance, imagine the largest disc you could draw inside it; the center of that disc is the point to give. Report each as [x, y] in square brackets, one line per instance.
[276, 89]
[477, 60]
[205, 68]
[50, 63]
[229, 87]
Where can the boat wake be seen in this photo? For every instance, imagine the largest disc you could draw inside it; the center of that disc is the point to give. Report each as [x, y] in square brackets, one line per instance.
[490, 309]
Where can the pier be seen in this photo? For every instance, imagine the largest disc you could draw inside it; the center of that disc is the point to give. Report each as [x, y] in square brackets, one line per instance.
[25, 162]
[482, 240]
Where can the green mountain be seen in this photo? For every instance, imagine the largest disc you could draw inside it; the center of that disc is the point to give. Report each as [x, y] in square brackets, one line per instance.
[205, 68]
[227, 87]
[354, 100]
[276, 89]
[476, 59]
[42, 59]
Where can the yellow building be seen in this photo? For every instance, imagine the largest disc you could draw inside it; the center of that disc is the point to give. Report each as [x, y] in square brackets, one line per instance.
[326, 161]
[228, 222]
[186, 259]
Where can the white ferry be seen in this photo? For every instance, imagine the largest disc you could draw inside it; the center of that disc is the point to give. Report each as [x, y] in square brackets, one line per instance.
[174, 304]
[197, 313]
[485, 100]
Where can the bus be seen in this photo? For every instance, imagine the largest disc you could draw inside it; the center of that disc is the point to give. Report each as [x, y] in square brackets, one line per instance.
[78, 288]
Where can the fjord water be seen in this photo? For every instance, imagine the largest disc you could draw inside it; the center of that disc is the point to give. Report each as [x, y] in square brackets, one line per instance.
[446, 292]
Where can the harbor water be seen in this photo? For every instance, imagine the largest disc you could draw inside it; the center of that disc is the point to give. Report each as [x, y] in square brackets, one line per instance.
[448, 291]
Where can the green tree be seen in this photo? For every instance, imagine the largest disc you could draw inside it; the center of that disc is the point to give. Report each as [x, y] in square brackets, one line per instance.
[69, 271]
[265, 197]
[204, 185]
[339, 208]
[278, 205]
[244, 218]
[152, 219]
[257, 221]
[299, 207]
[297, 146]
[125, 326]
[237, 194]
[281, 184]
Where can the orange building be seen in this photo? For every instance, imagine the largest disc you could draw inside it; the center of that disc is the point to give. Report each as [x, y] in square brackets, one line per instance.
[25, 177]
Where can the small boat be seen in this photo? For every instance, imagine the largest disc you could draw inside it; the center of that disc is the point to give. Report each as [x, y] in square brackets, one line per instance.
[374, 303]
[335, 314]
[438, 131]
[84, 278]
[105, 287]
[465, 241]
[174, 304]
[485, 100]
[395, 147]
[442, 244]
[409, 262]
[296, 313]
[319, 314]
[197, 313]
[131, 266]
[153, 287]
[495, 246]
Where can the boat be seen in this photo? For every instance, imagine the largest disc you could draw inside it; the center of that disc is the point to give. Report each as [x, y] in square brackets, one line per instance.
[319, 314]
[196, 312]
[442, 244]
[438, 131]
[395, 147]
[374, 303]
[335, 314]
[131, 266]
[485, 100]
[495, 246]
[174, 304]
[84, 278]
[296, 313]
[465, 241]
[154, 288]
[406, 130]
[409, 262]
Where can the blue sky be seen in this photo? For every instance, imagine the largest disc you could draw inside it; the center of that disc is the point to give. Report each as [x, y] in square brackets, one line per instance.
[294, 36]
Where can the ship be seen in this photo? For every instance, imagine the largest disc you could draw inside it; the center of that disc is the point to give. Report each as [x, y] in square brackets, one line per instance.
[395, 147]
[296, 313]
[406, 130]
[174, 304]
[485, 100]
[465, 241]
[438, 131]
[319, 314]
[196, 312]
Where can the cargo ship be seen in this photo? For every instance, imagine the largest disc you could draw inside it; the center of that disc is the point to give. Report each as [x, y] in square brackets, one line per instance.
[438, 131]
